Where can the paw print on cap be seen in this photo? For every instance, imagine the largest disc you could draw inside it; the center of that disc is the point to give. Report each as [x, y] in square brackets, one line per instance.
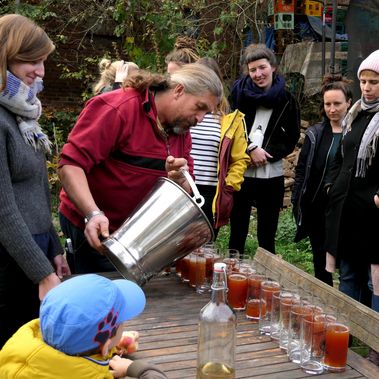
[107, 328]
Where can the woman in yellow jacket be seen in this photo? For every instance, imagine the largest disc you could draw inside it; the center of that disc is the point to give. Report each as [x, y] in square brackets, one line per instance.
[219, 146]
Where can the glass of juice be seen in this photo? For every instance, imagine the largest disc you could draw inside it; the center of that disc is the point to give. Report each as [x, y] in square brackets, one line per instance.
[185, 264]
[312, 342]
[237, 290]
[202, 285]
[253, 296]
[298, 311]
[336, 345]
[192, 269]
[268, 288]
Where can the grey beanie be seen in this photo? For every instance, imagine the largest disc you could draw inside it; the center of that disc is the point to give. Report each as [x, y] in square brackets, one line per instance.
[370, 63]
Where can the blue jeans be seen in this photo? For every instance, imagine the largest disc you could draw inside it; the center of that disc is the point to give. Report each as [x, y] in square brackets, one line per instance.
[84, 259]
[355, 281]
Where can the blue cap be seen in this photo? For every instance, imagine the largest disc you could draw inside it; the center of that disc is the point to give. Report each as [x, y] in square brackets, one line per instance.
[83, 312]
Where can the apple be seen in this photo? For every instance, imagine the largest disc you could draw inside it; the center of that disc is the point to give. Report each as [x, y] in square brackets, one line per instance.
[128, 343]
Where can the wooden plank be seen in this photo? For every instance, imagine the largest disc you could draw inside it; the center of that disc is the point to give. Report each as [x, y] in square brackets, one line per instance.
[365, 367]
[364, 322]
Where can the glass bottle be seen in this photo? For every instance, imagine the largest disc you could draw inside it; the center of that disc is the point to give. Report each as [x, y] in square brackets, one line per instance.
[257, 137]
[217, 332]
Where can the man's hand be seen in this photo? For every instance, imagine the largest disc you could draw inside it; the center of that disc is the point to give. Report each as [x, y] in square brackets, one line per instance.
[97, 226]
[330, 263]
[259, 157]
[121, 72]
[119, 366]
[174, 167]
[376, 199]
[61, 266]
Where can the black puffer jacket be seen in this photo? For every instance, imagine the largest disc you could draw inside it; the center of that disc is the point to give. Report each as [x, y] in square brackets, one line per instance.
[308, 194]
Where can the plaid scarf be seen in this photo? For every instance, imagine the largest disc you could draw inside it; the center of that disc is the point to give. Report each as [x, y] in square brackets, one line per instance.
[369, 142]
[22, 101]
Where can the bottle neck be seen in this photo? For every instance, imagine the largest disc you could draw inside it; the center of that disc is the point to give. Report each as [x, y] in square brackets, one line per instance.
[219, 287]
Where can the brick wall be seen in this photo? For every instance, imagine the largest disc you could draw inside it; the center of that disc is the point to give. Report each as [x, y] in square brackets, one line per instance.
[63, 93]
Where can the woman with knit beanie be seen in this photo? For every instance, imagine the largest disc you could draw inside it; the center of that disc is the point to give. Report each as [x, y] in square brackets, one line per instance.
[352, 219]
[31, 260]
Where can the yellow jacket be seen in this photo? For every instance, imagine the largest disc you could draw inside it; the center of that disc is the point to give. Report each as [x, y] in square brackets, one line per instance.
[232, 164]
[27, 356]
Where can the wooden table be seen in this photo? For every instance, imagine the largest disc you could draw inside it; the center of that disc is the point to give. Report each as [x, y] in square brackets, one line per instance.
[168, 338]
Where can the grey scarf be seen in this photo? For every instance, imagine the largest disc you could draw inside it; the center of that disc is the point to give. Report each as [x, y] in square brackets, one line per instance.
[369, 142]
[22, 100]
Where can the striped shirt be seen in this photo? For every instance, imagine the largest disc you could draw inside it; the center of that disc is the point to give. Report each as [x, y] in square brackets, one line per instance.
[205, 146]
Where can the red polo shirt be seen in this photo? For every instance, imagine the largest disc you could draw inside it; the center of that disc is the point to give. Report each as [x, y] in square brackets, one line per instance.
[117, 143]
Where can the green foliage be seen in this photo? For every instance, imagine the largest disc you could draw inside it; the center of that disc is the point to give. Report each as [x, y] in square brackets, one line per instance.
[299, 254]
[143, 30]
[57, 125]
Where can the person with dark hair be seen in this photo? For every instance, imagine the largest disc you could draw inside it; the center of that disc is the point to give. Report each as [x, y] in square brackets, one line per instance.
[352, 216]
[184, 52]
[269, 109]
[31, 256]
[123, 141]
[321, 142]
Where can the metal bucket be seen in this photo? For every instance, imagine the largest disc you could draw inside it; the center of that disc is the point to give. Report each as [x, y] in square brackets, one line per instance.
[166, 226]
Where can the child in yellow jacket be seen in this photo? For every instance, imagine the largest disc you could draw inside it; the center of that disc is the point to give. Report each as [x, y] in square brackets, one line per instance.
[81, 322]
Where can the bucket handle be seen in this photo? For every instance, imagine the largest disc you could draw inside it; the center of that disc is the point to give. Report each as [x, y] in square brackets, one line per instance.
[199, 200]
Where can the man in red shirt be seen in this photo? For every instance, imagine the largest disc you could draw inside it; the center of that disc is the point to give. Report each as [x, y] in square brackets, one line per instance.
[122, 143]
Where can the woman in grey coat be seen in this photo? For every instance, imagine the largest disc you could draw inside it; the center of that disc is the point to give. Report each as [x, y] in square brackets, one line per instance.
[352, 219]
[31, 259]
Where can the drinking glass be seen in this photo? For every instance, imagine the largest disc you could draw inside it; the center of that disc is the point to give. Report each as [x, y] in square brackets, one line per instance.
[200, 273]
[298, 310]
[253, 296]
[246, 264]
[336, 344]
[192, 268]
[237, 290]
[287, 299]
[275, 316]
[178, 267]
[312, 342]
[268, 288]
[185, 266]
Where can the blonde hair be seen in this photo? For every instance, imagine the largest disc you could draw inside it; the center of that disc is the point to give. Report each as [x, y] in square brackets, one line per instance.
[223, 106]
[184, 51]
[196, 79]
[21, 41]
[107, 70]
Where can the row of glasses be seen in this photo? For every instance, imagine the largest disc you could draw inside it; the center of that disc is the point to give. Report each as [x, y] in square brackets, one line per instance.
[318, 336]
[313, 335]
[196, 268]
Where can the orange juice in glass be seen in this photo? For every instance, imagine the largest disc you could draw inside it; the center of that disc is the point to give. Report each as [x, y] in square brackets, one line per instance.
[336, 346]
[237, 290]
[185, 268]
[253, 296]
[192, 269]
[178, 267]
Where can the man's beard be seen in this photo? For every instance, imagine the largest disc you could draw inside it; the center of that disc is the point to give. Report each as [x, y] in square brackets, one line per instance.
[179, 126]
